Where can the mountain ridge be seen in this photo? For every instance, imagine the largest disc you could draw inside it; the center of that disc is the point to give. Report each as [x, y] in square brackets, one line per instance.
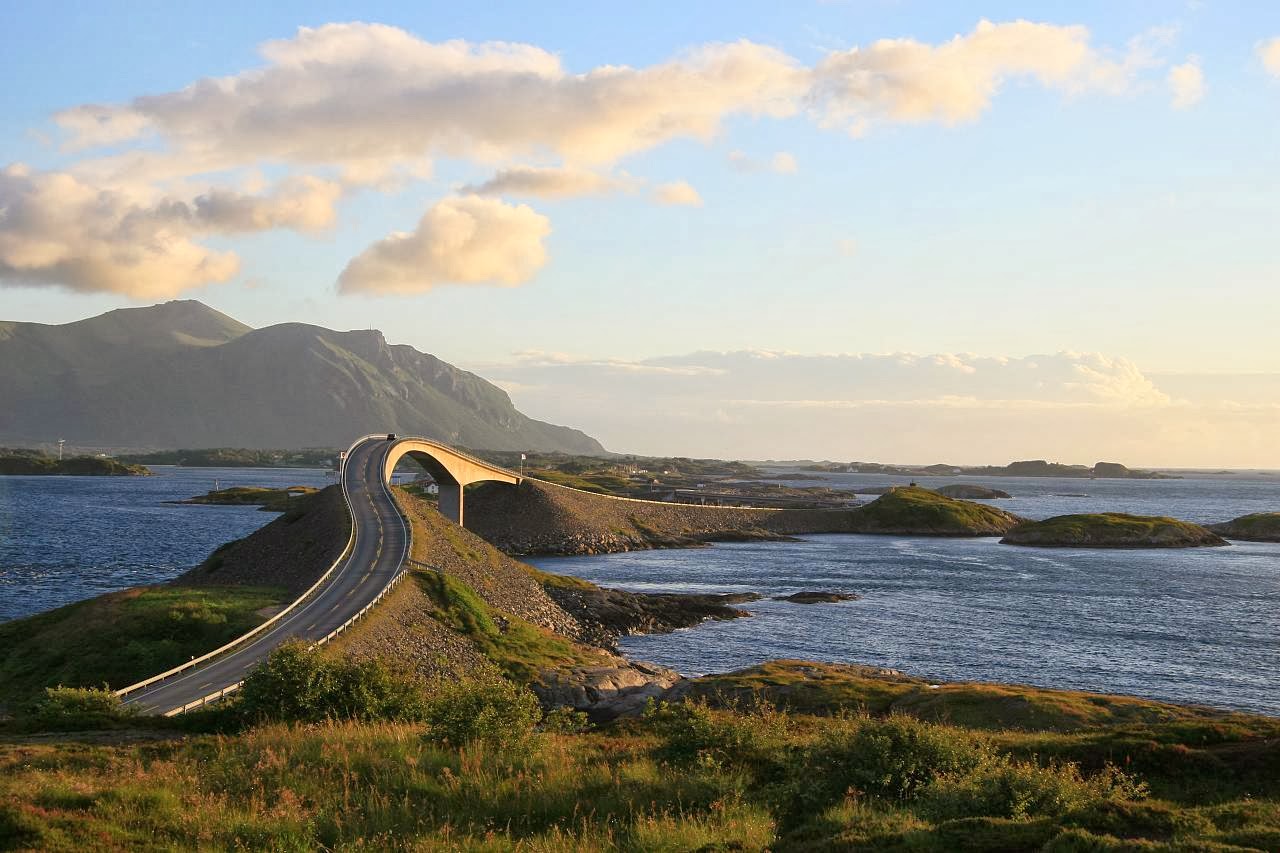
[181, 374]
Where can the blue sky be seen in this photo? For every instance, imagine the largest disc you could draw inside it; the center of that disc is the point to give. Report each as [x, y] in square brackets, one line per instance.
[1079, 208]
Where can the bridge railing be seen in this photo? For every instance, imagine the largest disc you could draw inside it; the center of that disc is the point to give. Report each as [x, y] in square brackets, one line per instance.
[404, 570]
[248, 635]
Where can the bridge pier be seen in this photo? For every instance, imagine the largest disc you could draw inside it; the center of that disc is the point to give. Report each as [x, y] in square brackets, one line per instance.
[450, 501]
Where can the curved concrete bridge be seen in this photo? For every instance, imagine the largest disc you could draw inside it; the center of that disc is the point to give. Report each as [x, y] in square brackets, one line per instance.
[452, 470]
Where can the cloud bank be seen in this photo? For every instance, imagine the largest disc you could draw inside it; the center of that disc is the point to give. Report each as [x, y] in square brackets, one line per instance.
[904, 407]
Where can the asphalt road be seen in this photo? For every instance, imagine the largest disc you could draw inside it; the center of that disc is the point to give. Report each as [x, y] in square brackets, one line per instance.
[381, 547]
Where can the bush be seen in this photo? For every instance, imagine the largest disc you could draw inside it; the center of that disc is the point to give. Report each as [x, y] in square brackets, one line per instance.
[693, 732]
[298, 684]
[497, 713]
[896, 757]
[68, 708]
[565, 721]
[1010, 789]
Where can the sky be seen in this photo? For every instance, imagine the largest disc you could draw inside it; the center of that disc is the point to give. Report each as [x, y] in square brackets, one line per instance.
[874, 230]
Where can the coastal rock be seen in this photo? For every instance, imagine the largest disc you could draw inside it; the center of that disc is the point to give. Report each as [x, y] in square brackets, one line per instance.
[817, 597]
[1112, 530]
[1257, 527]
[607, 614]
[968, 491]
[605, 692]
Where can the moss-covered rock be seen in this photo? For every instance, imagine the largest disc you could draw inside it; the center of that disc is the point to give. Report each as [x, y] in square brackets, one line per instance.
[1112, 530]
[1258, 527]
[914, 511]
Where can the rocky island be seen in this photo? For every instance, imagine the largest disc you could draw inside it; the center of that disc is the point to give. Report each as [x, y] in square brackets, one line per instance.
[269, 500]
[916, 511]
[27, 462]
[1111, 530]
[970, 492]
[1257, 527]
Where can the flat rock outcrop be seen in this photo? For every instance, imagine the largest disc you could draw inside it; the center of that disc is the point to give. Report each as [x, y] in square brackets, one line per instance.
[1112, 530]
[606, 692]
[817, 597]
[1256, 527]
[971, 492]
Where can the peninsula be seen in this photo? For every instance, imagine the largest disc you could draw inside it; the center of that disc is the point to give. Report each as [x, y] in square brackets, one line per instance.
[28, 462]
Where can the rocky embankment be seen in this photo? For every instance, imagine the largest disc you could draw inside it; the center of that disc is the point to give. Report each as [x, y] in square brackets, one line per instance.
[1258, 527]
[1112, 530]
[607, 614]
[542, 518]
[290, 552]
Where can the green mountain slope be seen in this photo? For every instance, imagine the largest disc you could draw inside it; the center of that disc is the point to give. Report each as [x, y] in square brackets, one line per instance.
[184, 375]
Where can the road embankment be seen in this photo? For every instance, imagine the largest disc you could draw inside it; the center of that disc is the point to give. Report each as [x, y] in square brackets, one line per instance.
[543, 518]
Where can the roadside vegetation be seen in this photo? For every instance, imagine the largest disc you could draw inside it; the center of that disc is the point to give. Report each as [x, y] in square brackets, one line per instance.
[367, 759]
[123, 637]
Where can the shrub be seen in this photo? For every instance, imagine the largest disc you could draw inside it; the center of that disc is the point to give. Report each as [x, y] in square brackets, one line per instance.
[68, 708]
[298, 684]
[694, 732]
[565, 721]
[895, 757]
[1010, 789]
[497, 713]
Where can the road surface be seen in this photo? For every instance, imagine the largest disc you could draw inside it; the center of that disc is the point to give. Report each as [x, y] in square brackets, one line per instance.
[381, 547]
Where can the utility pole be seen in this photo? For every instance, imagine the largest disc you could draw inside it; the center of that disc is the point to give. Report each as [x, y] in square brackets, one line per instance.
[61, 442]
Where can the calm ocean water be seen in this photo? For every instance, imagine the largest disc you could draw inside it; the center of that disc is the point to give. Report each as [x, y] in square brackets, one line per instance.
[67, 538]
[1198, 625]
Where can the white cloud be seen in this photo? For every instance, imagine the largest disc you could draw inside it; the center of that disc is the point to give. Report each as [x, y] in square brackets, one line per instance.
[847, 246]
[678, 193]
[1186, 83]
[552, 182]
[465, 240]
[1269, 53]
[57, 230]
[905, 80]
[359, 91]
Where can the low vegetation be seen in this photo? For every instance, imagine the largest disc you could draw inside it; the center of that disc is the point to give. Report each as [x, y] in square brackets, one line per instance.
[1112, 530]
[19, 462]
[1258, 527]
[912, 510]
[122, 637]
[481, 769]
[270, 500]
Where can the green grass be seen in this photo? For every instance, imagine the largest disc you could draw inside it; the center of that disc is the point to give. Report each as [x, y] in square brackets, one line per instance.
[122, 637]
[690, 778]
[912, 509]
[1111, 529]
[519, 648]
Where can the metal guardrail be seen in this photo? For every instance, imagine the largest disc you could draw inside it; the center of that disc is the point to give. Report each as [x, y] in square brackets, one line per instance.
[392, 584]
[351, 541]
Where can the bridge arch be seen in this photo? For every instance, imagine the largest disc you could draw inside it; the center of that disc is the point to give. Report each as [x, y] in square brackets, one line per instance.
[451, 470]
